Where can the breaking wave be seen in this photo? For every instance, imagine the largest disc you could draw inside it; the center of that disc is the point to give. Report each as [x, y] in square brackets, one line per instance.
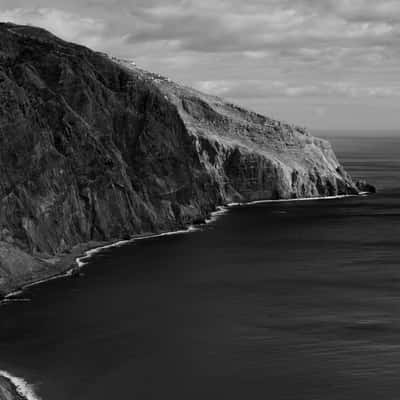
[22, 387]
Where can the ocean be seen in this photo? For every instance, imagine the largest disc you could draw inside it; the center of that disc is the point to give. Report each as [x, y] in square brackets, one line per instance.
[287, 300]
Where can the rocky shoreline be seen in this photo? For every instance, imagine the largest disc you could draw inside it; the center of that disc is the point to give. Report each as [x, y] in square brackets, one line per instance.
[64, 266]
[70, 264]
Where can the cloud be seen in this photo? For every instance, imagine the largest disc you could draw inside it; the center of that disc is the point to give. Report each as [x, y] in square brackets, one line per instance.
[66, 25]
[367, 10]
[267, 89]
[305, 27]
[201, 28]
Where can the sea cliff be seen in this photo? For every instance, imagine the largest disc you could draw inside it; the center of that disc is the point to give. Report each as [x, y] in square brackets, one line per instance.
[94, 149]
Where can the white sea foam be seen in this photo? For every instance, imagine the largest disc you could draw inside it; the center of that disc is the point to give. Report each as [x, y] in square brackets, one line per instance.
[221, 210]
[83, 260]
[16, 300]
[13, 294]
[23, 388]
[10, 297]
[216, 214]
[342, 196]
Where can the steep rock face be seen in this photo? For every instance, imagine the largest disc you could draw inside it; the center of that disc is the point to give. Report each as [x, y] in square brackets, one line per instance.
[95, 149]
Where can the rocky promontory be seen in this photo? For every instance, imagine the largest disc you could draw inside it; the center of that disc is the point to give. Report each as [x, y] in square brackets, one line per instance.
[94, 149]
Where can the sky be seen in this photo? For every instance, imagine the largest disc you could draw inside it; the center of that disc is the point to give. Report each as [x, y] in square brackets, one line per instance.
[324, 64]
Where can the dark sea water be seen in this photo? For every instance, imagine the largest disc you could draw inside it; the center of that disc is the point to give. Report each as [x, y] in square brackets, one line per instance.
[295, 300]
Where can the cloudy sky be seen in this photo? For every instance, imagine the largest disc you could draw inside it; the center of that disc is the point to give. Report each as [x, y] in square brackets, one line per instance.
[332, 64]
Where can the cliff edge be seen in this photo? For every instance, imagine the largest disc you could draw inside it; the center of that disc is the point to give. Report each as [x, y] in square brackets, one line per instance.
[95, 149]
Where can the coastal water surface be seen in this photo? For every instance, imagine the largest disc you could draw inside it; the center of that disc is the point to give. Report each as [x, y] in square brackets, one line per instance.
[291, 300]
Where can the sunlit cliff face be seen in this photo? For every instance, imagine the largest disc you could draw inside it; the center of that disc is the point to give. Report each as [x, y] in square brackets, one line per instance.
[326, 64]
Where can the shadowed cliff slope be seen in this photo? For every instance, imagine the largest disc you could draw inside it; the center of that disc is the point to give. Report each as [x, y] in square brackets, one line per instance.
[95, 149]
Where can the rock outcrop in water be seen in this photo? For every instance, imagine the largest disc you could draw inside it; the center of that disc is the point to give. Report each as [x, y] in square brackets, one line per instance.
[95, 149]
[365, 187]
